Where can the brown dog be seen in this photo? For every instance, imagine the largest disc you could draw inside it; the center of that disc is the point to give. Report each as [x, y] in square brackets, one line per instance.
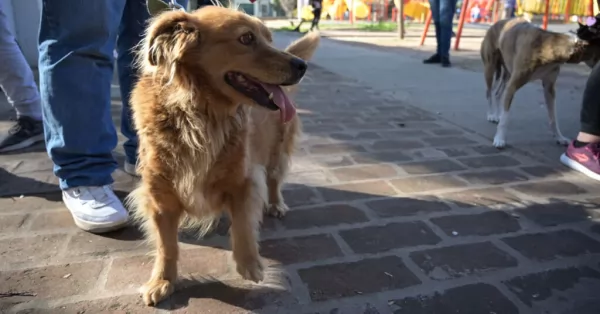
[514, 53]
[216, 131]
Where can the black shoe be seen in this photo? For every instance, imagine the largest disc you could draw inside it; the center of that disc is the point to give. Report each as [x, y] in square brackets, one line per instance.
[446, 62]
[24, 133]
[433, 59]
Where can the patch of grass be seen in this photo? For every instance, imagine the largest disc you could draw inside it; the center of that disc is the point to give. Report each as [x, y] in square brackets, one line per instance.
[382, 26]
[379, 27]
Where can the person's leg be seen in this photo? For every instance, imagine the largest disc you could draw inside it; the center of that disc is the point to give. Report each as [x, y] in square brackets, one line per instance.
[583, 154]
[131, 30]
[16, 80]
[447, 9]
[76, 43]
[434, 6]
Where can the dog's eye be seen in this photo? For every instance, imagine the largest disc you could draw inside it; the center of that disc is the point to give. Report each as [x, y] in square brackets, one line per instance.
[247, 39]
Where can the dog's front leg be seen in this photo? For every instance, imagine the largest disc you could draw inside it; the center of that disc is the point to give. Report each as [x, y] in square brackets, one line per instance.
[163, 213]
[246, 215]
[549, 97]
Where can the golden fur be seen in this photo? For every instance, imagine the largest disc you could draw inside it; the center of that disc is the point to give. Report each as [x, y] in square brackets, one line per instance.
[205, 148]
[515, 52]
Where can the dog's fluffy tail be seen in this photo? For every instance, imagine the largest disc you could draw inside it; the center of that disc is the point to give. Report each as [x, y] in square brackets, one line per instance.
[303, 48]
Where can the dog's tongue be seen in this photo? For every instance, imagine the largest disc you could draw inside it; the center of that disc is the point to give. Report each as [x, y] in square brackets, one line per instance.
[286, 108]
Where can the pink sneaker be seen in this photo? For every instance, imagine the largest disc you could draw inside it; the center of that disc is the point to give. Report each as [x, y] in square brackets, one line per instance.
[583, 159]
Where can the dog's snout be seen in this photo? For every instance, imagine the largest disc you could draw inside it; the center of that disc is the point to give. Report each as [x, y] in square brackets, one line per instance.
[299, 66]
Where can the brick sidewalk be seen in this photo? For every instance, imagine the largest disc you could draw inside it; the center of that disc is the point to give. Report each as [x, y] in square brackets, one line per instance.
[394, 211]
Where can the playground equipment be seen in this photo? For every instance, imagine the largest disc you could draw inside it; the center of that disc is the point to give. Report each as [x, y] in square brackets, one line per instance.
[566, 8]
[336, 9]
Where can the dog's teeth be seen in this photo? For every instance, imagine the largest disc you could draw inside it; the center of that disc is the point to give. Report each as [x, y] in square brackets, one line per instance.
[271, 96]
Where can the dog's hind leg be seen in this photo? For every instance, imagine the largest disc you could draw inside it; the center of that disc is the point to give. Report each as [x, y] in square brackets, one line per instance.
[245, 210]
[275, 175]
[493, 76]
[516, 81]
[549, 83]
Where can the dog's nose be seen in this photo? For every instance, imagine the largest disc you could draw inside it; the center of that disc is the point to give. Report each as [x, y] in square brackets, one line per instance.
[299, 66]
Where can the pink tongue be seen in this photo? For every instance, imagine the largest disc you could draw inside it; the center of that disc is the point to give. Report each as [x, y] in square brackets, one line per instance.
[286, 108]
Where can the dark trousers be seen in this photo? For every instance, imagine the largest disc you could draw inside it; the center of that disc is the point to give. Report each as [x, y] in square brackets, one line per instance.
[316, 19]
[442, 13]
[590, 108]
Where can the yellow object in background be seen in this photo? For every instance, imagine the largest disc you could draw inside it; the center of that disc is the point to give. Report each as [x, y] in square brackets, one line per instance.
[577, 7]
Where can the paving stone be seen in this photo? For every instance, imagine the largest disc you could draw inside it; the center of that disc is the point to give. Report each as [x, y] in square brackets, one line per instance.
[52, 281]
[552, 245]
[462, 260]
[402, 134]
[52, 220]
[447, 132]
[355, 191]
[476, 298]
[231, 296]
[480, 197]
[427, 183]
[549, 188]
[12, 223]
[322, 128]
[367, 276]
[333, 161]
[352, 309]
[32, 203]
[432, 166]
[322, 216]
[379, 157]
[404, 206]
[132, 272]
[488, 223]
[26, 183]
[300, 249]
[310, 178]
[375, 239]
[300, 196]
[543, 171]
[85, 243]
[131, 304]
[395, 145]
[496, 161]
[31, 249]
[558, 212]
[568, 290]
[358, 136]
[364, 172]
[380, 125]
[493, 177]
[447, 140]
[337, 149]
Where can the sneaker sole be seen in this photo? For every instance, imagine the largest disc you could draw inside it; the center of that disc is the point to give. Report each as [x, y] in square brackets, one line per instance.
[24, 144]
[99, 228]
[578, 167]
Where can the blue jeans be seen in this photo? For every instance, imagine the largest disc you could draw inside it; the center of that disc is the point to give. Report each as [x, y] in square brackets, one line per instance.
[76, 43]
[442, 13]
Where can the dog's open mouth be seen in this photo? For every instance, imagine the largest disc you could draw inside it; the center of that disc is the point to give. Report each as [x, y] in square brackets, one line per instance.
[269, 96]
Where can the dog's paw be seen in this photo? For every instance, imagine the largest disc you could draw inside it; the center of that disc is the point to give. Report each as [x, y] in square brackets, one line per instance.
[277, 210]
[561, 140]
[252, 270]
[499, 142]
[493, 118]
[155, 291]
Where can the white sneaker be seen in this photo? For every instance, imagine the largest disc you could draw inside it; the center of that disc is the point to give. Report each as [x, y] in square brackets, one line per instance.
[95, 209]
[131, 169]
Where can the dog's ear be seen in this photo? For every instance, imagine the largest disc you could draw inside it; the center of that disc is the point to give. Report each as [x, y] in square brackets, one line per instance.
[169, 36]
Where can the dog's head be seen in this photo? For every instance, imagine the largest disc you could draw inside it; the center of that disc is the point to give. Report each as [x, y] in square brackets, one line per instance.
[226, 51]
[590, 31]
